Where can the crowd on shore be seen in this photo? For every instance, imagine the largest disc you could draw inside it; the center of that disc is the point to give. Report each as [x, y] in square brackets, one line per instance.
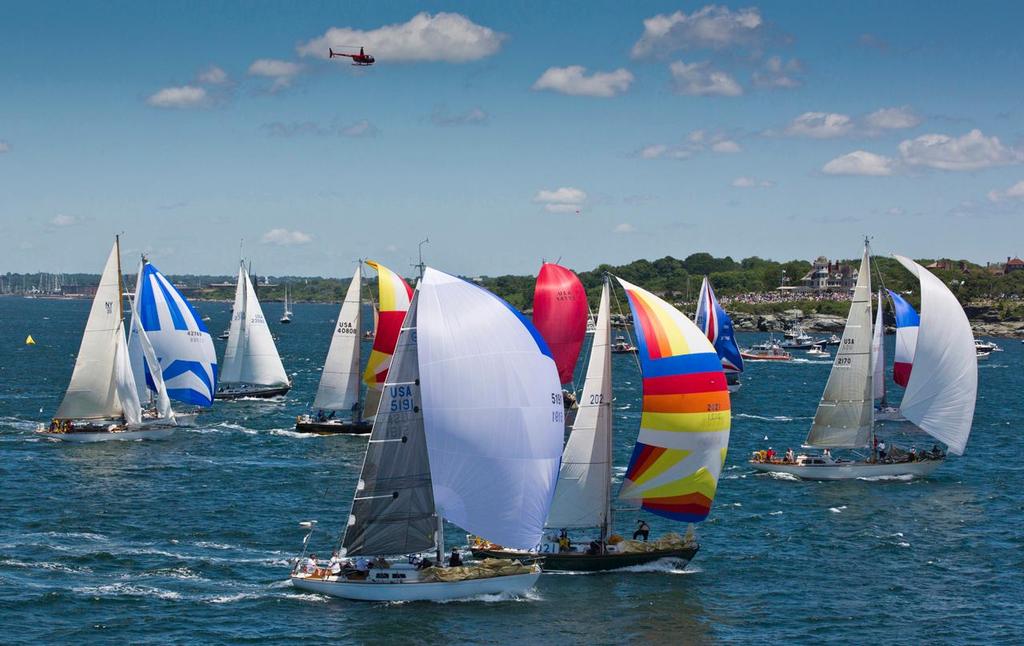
[784, 297]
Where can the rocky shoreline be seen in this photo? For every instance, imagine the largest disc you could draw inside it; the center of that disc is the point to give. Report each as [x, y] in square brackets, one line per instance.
[984, 321]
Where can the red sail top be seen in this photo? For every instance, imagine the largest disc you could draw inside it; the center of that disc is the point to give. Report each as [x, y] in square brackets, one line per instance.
[560, 314]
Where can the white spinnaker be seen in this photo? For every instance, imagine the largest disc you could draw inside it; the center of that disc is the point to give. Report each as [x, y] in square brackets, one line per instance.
[492, 408]
[845, 414]
[92, 393]
[584, 478]
[339, 382]
[943, 386]
[251, 356]
[878, 354]
[156, 373]
[124, 382]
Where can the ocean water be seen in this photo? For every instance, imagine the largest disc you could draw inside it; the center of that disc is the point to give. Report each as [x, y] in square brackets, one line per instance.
[189, 539]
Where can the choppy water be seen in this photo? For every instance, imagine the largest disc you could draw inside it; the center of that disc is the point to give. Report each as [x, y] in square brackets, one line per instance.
[189, 539]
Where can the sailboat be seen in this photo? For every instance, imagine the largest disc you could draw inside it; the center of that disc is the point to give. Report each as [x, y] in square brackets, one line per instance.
[560, 313]
[470, 431]
[339, 382]
[939, 399]
[252, 367]
[101, 402]
[171, 351]
[717, 326]
[286, 318]
[679, 452]
[393, 298]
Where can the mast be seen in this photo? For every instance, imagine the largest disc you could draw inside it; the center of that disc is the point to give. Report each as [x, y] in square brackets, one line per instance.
[120, 280]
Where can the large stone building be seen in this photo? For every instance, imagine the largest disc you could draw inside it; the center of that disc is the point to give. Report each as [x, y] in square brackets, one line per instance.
[826, 275]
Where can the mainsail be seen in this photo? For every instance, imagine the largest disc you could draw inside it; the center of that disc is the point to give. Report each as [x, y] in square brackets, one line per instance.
[845, 414]
[180, 340]
[684, 427]
[878, 353]
[907, 324]
[492, 408]
[717, 327]
[144, 363]
[582, 497]
[393, 508]
[92, 392]
[251, 356]
[943, 386]
[339, 382]
[560, 313]
[394, 296]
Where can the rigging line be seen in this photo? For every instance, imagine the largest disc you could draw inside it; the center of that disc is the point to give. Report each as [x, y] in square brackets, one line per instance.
[629, 338]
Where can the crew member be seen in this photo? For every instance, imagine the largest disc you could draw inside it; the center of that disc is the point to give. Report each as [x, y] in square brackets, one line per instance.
[642, 529]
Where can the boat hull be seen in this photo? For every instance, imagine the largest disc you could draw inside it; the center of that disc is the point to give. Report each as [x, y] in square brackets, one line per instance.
[258, 392]
[336, 427]
[582, 562]
[850, 470]
[513, 584]
[87, 436]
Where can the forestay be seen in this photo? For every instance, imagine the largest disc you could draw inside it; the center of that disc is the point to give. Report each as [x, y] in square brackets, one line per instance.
[584, 478]
[339, 382]
[393, 507]
[943, 385]
[684, 427]
[251, 356]
[92, 391]
[845, 414]
[492, 406]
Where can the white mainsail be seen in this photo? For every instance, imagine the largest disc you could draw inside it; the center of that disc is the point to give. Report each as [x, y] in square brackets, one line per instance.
[878, 354]
[583, 494]
[124, 382]
[92, 391]
[845, 414]
[142, 355]
[251, 356]
[339, 382]
[492, 411]
[943, 386]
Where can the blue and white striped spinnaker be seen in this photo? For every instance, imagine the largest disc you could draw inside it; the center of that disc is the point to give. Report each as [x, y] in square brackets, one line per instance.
[182, 343]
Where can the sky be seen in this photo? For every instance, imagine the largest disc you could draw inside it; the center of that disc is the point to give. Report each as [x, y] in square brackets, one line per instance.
[506, 132]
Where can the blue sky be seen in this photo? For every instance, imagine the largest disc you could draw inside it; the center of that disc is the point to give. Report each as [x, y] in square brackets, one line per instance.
[779, 129]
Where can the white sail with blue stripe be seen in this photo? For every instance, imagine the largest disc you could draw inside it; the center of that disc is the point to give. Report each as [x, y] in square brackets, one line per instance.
[179, 338]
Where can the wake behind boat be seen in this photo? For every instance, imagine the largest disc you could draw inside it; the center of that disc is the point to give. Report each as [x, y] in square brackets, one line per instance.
[430, 457]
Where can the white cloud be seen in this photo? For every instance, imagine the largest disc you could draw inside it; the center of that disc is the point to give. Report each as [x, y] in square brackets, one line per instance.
[712, 27]
[972, 151]
[574, 80]
[776, 74]
[896, 118]
[185, 96]
[625, 227]
[285, 238]
[1015, 192]
[281, 72]
[4, 147]
[565, 199]
[62, 221]
[445, 37]
[213, 75]
[361, 128]
[696, 141]
[472, 117]
[820, 125]
[751, 182]
[700, 79]
[860, 162]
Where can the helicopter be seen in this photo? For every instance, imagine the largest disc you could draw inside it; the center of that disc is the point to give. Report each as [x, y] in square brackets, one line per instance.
[362, 59]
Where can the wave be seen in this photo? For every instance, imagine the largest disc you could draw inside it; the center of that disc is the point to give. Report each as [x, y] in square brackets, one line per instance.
[775, 418]
[906, 477]
[529, 595]
[126, 590]
[45, 565]
[661, 566]
[837, 510]
[289, 433]
[775, 513]
[778, 475]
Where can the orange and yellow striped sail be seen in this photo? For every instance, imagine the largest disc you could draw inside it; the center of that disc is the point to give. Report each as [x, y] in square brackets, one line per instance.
[394, 295]
[684, 427]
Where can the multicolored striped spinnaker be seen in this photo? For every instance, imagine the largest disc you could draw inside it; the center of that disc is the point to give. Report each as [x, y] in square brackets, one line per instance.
[394, 295]
[684, 426]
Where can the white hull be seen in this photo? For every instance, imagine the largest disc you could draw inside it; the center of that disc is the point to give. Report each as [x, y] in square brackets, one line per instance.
[734, 387]
[850, 470]
[109, 436]
[411, 590]
[889, 415]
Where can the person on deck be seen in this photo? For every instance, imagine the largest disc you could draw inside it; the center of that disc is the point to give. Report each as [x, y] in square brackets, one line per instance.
[311, 564]
[334, 565]
[564, 544]
[362, 564]
[642, 529]
[357, 411]
[790, 457]
[455, 560]
[881, 450]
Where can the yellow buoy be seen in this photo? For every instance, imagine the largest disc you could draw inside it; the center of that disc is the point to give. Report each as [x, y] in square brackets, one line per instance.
[30, 340]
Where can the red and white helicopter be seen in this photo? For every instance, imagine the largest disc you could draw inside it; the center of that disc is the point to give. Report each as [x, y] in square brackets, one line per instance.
[362, 58]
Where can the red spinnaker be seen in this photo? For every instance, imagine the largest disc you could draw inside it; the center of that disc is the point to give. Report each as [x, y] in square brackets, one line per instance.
[560, 314]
